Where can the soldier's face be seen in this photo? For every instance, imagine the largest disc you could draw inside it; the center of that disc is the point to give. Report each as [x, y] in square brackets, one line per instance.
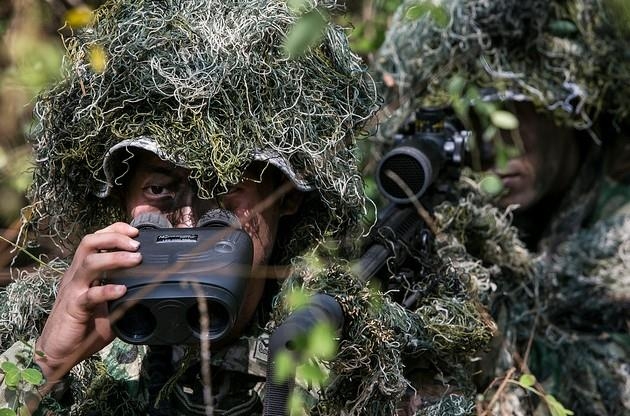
[547, 163]
[157, 186]
[161, 187]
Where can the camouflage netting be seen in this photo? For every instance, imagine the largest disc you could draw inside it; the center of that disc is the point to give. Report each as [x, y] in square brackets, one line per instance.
[210, 81]
[567, 56]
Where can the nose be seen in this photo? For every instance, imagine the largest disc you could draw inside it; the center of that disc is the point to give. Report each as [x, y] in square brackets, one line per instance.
[187, 215]
[184, 217]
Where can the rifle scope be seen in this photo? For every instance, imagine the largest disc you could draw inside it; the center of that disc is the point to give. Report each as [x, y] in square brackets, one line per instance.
[426, 144]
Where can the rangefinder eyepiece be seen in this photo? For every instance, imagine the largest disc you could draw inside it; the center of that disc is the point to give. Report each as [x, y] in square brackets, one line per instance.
[190, 284]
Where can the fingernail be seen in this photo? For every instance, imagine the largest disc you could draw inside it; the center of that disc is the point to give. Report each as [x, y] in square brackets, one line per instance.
[135, 244]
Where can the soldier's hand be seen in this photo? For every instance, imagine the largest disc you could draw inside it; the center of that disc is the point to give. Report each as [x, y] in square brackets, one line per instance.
[78, 325]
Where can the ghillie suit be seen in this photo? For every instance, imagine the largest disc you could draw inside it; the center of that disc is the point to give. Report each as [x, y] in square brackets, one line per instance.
[567, 57]
[209, 83]
[436, 338]
[569, 319]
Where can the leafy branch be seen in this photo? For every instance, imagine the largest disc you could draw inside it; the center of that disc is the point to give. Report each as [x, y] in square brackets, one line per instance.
[22, 379]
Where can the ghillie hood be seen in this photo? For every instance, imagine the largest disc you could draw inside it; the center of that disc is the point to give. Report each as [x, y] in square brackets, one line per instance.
[569, 57]
[210, 83]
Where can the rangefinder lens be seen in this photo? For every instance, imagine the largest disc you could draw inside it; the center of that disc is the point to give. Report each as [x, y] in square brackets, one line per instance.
[218, 320]
[138, 323]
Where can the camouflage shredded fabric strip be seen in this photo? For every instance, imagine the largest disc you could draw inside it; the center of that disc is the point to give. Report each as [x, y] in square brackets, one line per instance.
[568, 57]
[446, 327]
[209, 80]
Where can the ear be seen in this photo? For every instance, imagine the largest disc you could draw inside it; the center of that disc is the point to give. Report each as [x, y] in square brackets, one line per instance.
[291, 202]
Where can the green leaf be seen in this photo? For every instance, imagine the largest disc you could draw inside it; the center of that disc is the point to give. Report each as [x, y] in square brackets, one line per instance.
[8, 366]
[456, 85]
[11, 374]
[485, 108]
[321, 342]
[555, 407]
[312, 373]
[284, 366]
[32, 376]
[489, 133]
[440, 15]
[7, 412]
[491, 185]
[504, 120]
[12, 378]
[297, 298]
[416, 11]
[437, 13]
[472, 94]
[370, 187]
[296, 403]
[527, 380]
[306, 32]
[298, 6]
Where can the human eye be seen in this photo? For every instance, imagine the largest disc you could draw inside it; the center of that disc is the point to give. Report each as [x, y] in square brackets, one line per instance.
[156, 190]
[159, 190]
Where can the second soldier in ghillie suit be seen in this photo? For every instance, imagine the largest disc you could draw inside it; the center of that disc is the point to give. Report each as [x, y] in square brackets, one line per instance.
[563, 68]
[205, 90]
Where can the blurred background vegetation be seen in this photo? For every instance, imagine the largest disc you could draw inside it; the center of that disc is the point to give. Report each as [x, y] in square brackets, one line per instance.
[31, 33]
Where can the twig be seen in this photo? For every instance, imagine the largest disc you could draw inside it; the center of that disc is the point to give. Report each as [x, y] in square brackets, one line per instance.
[497, 394]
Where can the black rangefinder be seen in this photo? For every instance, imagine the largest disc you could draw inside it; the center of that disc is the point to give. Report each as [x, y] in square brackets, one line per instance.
[190, 284]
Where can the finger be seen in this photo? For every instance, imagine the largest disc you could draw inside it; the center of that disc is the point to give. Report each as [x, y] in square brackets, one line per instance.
[90, 261]
[105, 241]
[110, 260]
[119, 227]
[93, 298]
[97, 295]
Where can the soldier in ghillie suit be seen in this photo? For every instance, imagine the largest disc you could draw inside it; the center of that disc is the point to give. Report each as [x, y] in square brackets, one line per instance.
[563, 69]
[198, 106]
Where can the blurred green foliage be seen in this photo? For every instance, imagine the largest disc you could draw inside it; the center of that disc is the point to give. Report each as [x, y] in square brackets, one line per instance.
[368, 20]
[29, 61]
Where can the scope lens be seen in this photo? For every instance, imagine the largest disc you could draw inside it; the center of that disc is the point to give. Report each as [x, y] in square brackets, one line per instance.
[217, 321]
[137, 323]
[409, 170]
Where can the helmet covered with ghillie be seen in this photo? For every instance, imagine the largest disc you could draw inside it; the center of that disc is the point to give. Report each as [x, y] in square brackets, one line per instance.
[568, 57]
[206, 84]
